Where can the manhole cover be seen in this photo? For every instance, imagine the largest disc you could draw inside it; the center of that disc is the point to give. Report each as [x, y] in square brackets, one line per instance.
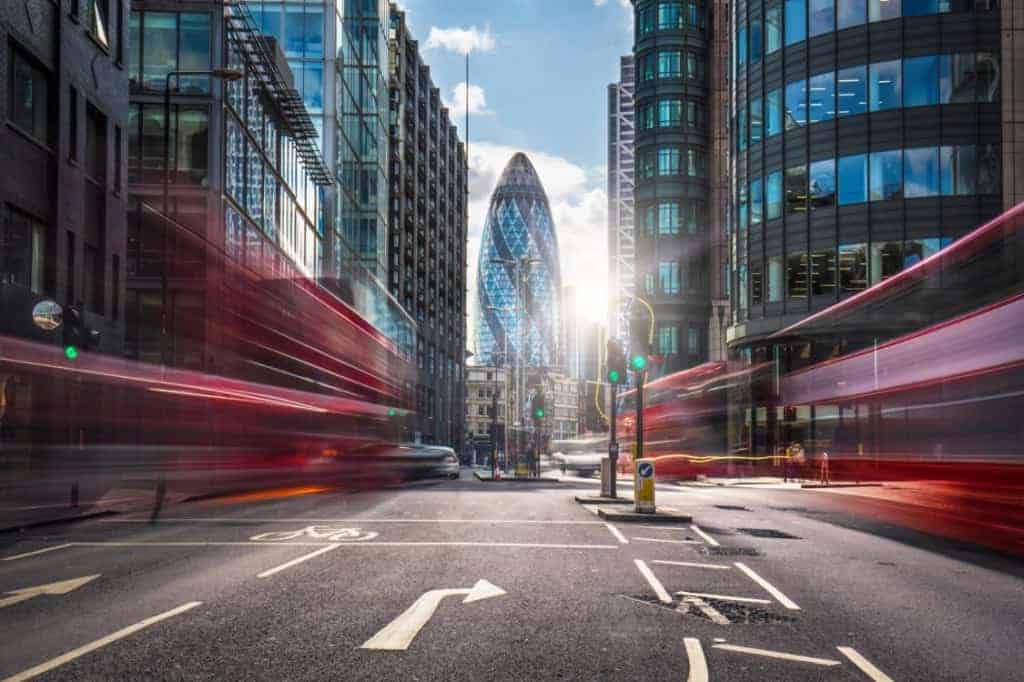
[731, 507]
[730, 551]
[767, 533]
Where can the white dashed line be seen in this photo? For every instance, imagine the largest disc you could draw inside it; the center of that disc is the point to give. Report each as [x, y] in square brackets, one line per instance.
[38, 551]
[704, 536]
[723, 597]
[698, 664]
[97, 644]
[864, 664]
[617, 533]
[293, 562]
[771, 589]
[691, 564]
[653, 581]
[669, 542]
[777, 654]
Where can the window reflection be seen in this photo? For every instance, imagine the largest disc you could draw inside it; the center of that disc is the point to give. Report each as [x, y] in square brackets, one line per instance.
[773, 112]
[886, 175]
[916, 8]
[670, 64]
[884, 79]
[921, 75]
[756, 202]
[852, 90]
[822, 97]
[756, 121]
[886, 260]
[743, 207]
[988, 77]
[822, 186]
[741, 45]
[796, 104]
[880, 10]
[822, 17]
[988, 169]
[774, 279]
[850, 13]
[823, 273]
[921, 172]
[796, 275]
[756, 48]
[670, 113]
[668, 217]
[772, 26]
[668, 161]
[756, 284]
[741, 130]
[853, 267]
[963, 79]
[853, 179]
[773, 192]
[796, 21]
[796, 189]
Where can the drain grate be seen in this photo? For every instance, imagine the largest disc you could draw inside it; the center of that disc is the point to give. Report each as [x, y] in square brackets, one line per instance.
[768, 533]
[731, 507]
[730, 551]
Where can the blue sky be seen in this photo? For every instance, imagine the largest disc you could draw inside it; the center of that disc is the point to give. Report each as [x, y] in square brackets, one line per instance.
[539, 73]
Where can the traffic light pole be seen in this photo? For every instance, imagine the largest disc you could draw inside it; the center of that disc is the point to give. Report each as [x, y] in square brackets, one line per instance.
[613, 444]
[639, 449]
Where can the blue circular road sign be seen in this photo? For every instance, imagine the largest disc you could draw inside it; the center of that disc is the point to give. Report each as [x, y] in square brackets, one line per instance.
[645, 470]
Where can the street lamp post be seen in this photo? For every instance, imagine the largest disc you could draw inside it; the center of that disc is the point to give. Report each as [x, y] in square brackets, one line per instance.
[219, 73]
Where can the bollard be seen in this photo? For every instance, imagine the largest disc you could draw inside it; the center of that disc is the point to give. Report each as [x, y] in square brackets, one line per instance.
[643, 487]
[606, 476]
[74, 495]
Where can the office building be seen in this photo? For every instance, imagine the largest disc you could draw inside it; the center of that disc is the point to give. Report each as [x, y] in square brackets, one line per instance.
[426, 266]
[621, 209]
[868, 136]
[569, 341]
[485, 387]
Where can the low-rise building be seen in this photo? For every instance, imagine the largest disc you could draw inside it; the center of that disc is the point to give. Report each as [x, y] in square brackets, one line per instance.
[486, 387]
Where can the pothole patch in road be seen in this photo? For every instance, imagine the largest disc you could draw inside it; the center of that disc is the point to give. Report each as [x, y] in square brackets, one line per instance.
[743, 614]
[799, 510]
[768, 533]
[729, 551]
[731, 507]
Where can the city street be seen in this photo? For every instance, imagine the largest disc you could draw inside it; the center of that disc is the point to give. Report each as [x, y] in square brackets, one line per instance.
[472, 580]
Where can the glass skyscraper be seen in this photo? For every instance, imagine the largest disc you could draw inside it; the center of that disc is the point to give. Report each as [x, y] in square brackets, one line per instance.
[518, 277]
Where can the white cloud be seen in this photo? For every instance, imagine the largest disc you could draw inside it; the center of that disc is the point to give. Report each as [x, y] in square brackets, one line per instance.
[579, 207]
[461, 40]
[477, 101]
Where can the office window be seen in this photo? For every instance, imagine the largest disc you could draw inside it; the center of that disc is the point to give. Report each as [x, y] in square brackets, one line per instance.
[773, 113]
[23, 253]
[853, 179]
[796, 189]
[692, 340]
[885, 86]
[668, 218]
[97, 14]
[741, 45]
[646, 21]
[921, 75]
[916, 8]
[775, 281]
[695, 163]
[773, 195]
[853, 267]
[741, 286]
[95, 166]
[645, 162]
[886, 173]
[851, 13]
[756, 47]
[822, 185]
[772, 26]
[694, 67]
[959, 170]
[756, 284]
[881, 10]
[741, 130]
[693, 214]
[649, 282]
[988, 77]
[171, 41]
[821, 93]
[989, 174]
[916, 250]
[648, 69]
[668, 161]
[670, 15]
[742, 212]
[822, 17]
[852, 90]
[823, 273]
[668, 340]
[959, 80]
[796, 104]
[796, 21]
[30, 97]
[694, 115]
[670, 113]
[72, 123]
[756, 121]
[670, 64]
[118, 159]
[921, 172]
[796, 274]
[756, 202]
[886, 260]
[650, 219]
[696, 17]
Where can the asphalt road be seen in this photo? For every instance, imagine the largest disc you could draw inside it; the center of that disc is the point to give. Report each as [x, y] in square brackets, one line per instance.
[534, 586]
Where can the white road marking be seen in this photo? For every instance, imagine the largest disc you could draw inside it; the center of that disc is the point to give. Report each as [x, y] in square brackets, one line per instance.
[698, 664]
[653, 581]
[399, 633]
[777, 654]
[38, 551]
[647, 525]
[724, 597]
[708, 610]
[293, 562]
[704, 536]
[617, 533]
[769, 588]
[528, 545]
[99, 643]
[691, 564]
[864, 664]
[669, 542]
[62, 587]
[234, 521]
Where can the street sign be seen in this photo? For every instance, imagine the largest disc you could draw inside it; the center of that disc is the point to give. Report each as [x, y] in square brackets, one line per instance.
[643, 487]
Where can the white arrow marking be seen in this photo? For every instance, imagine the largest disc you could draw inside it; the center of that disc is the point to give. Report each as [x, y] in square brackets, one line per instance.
[62, 587]
[399, 633]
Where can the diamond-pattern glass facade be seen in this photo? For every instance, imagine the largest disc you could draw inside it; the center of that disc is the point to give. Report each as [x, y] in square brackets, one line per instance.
[519, 230]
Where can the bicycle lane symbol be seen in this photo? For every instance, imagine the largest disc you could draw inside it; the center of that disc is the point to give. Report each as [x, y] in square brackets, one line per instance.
[325, 533]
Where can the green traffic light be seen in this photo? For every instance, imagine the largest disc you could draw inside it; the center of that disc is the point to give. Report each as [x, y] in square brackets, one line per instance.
[639, 362]
[540, 414]
[392, 412]
[613, 376]
[70, 352]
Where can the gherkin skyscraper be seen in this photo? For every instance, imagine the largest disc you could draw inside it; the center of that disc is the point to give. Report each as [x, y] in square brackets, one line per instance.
[518, 241]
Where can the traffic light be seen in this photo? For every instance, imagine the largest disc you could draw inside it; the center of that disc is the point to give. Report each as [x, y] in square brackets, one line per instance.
[78, 337]
[639, 344]
[537, 406]
[616, 362]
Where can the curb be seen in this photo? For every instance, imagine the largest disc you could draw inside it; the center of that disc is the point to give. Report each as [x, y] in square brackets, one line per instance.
[488, 479]
[813, 486]
[58, 521]
[623, 516]
[597, 499]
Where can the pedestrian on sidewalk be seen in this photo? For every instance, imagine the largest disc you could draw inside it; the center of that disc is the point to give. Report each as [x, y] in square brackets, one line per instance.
[789, 466]
[823, 474]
